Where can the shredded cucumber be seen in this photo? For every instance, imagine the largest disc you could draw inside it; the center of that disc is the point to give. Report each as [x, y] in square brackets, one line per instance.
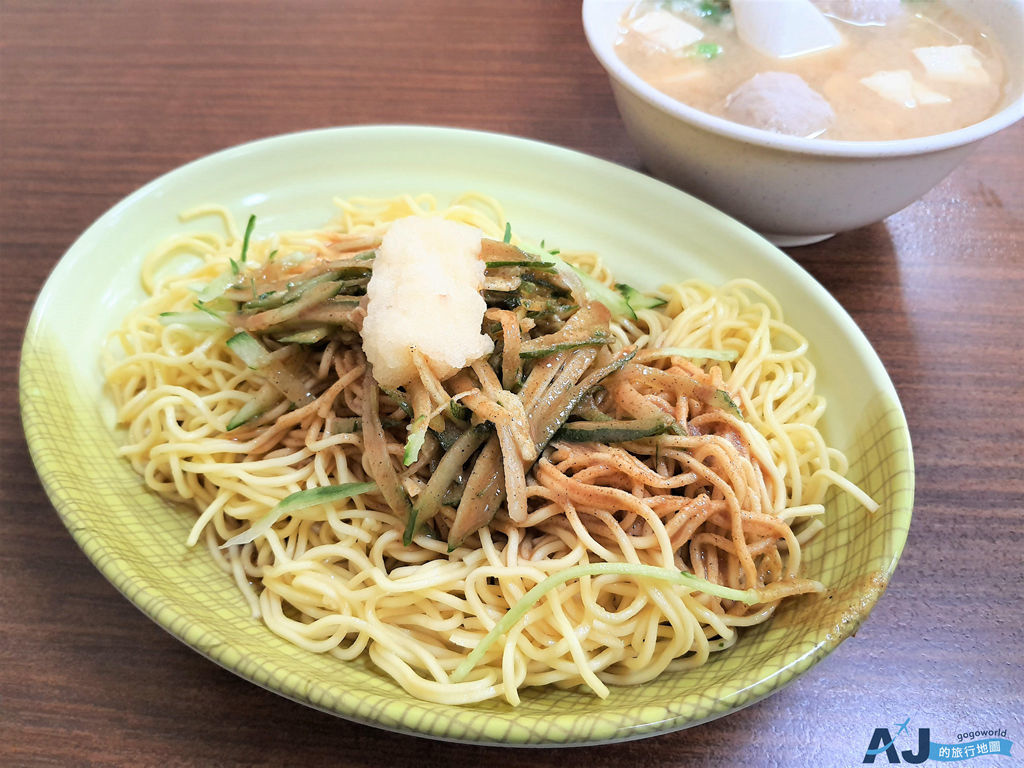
[594, 340]
[527, 601]
[245, 239]
[613, 431]
[622, 301]
[637, 300]
[417, 434]
[200, 321]
[299, 500]
[308, 336]
[696, 353]
[263, 400]
[249, 350]
[217, 286]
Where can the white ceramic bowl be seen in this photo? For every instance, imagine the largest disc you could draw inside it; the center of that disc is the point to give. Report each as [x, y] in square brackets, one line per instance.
[794, 190]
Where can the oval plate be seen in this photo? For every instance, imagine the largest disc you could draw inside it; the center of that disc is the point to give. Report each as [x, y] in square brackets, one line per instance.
[648, 232]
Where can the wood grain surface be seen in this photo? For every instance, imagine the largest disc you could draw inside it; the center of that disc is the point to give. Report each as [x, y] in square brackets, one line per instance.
[98, 98]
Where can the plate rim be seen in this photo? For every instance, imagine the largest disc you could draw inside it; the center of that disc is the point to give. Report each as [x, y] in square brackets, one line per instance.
[793, 270]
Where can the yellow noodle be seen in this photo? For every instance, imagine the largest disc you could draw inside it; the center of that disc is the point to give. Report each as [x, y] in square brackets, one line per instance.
[337, 578]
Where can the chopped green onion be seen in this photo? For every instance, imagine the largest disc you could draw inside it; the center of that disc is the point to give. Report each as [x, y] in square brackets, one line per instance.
[271, 255]
[714, 10]
[296, 501]
[508, 232]
[706, 50]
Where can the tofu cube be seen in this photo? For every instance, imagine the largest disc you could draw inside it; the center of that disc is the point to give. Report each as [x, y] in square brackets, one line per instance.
[899, 86]
[952, 63]
[666, 30]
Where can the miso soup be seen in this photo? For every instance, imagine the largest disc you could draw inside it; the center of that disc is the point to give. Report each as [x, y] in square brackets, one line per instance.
[903, 68]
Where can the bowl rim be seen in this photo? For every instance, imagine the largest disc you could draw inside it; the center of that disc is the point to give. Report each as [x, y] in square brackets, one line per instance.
[602, 46]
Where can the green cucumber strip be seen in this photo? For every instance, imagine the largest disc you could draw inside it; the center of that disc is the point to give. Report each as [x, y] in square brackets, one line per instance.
[246, 413]
[266, 300]
[545, 431]
[249, 350]
[617, 431]
[637, 300]
[530, 351]
[308, 299]
[593, 341]
[723, 400]
[527, 601]
[256, 357]
[617, 303]
[598, 291]
[695, 353]
[347, 425]
[586, 409]
[417, 434]
[218, 307]
[298, 287]
[216, 287]
[542, 265]
[458, 411]
[299, 500]
[308, 336]
[551, 307]
[200, 321]
[447, 436]
[399, 399]
[444, 475]
[264, 399]
[248, 233]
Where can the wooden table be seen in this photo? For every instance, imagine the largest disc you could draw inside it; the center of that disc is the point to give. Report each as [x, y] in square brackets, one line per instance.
[99, 98]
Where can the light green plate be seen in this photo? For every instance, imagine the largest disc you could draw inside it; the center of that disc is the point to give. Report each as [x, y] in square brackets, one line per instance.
[648, 232]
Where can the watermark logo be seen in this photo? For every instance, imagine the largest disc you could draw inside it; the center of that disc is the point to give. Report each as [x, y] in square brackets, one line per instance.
[970, 744]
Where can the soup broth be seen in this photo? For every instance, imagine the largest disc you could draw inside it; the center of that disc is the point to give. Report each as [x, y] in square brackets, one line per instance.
[903, 69]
